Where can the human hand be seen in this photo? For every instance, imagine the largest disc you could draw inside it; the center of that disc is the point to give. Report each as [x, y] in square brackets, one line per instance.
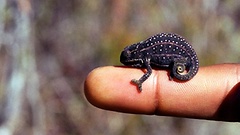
[213, 94]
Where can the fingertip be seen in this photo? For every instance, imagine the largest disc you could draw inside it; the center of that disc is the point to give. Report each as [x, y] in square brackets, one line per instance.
[91, 86]
[111, 88]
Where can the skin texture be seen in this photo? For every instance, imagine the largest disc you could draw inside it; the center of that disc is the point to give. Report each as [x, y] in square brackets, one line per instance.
[213, 94]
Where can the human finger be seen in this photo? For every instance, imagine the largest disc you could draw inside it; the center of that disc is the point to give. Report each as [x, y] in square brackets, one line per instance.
[204, 96]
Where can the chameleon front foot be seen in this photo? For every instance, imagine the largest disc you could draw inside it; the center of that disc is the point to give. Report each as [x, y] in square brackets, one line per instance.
[138, 83]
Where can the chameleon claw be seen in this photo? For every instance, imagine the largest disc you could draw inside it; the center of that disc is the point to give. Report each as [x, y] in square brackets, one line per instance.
[138, 83]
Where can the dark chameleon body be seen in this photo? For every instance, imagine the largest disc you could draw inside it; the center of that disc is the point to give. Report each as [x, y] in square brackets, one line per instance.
[162, 50]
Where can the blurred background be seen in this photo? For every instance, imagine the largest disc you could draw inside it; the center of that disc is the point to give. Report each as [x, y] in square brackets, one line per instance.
[47, 48]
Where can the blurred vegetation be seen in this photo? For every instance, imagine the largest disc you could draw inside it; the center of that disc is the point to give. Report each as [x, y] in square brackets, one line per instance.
[47, 48]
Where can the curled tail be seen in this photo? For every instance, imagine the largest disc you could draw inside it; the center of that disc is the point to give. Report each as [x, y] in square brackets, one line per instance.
[179, 68]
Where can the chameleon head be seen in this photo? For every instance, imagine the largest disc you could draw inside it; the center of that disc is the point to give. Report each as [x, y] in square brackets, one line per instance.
[130, 56]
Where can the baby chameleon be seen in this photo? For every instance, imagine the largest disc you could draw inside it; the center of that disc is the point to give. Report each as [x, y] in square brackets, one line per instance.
[164, 50]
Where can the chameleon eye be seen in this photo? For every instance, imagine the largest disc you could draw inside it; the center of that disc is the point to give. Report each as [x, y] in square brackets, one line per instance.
[127, 53]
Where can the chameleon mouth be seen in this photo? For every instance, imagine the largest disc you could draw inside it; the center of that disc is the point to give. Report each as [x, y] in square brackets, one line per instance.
[124, 57]
[128, 61]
